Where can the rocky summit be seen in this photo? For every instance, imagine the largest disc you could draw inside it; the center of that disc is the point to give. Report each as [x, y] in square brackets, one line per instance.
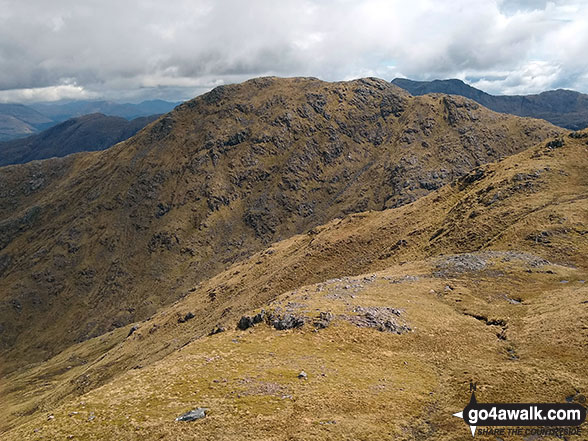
[374, 241]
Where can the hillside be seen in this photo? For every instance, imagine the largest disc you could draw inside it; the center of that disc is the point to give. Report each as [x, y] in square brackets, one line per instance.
[17, 120]
[95, 241]
[482, 280]
[564, 108]
[86, 133]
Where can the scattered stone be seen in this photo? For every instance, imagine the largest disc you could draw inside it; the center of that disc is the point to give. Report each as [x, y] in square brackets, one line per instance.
[382, 318]
[50, 417]
[514, 301]
[454, 265]
[324, 320]
[512, 354]
[193, 415]
[217, 330]
[188, 316]
[303, 375]
[132, 330]
[287, 321]
[258, 318]
[578, 135]
[245, 322]
[91, 417]
[556, 143]
[403, 279]
[369, 279]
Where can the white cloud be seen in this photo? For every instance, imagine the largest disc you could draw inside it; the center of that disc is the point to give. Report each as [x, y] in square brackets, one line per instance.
[51, 93]
[533, 76]
[144, 48]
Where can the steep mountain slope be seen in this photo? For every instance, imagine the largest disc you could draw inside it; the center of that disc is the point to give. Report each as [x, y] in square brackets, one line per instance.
[63, 111]
[17, 120]
[565, 108]
[93, 242]
[86, 133]
[482, 280]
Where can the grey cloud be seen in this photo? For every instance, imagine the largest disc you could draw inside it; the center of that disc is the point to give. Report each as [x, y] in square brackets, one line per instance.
[139, 49]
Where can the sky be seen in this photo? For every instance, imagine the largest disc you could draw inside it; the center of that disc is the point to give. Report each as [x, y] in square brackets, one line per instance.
[127, 50]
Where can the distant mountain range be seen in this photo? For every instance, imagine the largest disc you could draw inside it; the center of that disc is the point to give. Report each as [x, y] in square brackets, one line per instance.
[63, 111]
[85, 133]
[18, 120]
[564, 108]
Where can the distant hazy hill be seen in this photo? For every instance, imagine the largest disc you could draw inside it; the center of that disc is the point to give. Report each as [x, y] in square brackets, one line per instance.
[17, 120]
[63, 111]
[85, 133]
[565, 108]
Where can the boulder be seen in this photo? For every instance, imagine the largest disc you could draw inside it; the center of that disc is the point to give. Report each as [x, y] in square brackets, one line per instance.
[193, 415]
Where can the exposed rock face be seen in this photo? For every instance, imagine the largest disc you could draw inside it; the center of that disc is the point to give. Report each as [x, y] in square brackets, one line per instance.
[101, 240]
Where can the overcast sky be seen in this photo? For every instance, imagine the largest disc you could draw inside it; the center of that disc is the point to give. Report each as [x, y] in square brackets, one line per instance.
[176, 49]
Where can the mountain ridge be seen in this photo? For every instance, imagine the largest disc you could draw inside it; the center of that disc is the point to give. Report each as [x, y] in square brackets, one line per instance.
[562, 107]
[18, 120]
[86, 133]
[62, 111]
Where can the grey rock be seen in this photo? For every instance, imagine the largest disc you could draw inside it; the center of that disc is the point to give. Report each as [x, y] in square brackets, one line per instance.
[287, 321]
[188, 316]
[303, 375]
[217, 330]
[245, 322]
[132, 331]
[384, 319]
[324, 320]
[258, 318]
[193, 415]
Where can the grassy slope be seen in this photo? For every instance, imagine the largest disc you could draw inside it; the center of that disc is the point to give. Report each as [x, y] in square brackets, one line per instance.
[96, 241]
[531, 204]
